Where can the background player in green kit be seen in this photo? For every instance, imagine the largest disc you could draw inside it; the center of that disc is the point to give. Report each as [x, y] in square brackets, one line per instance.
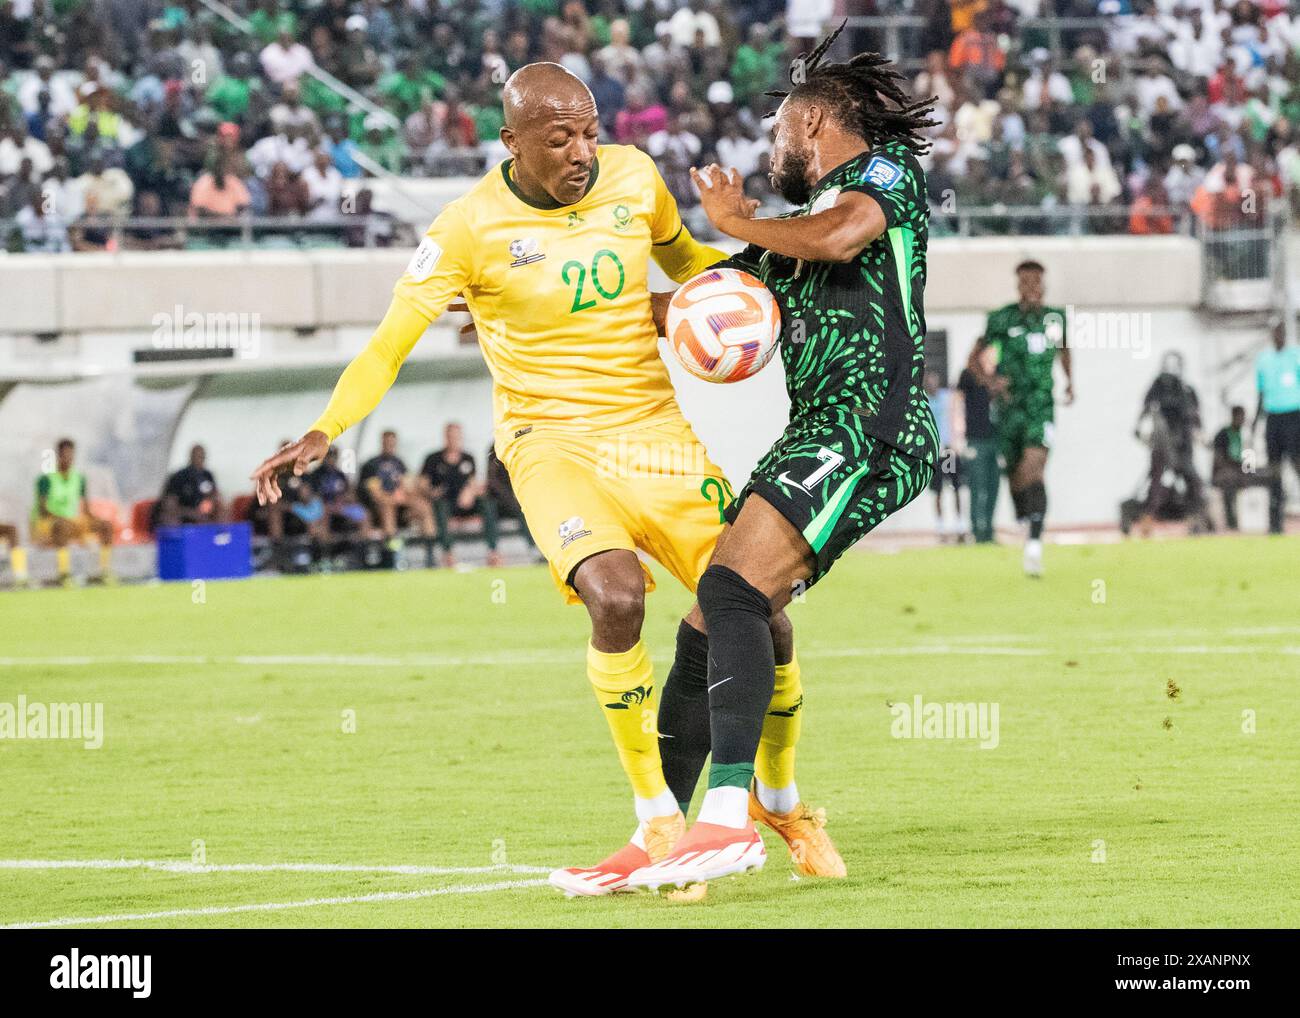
[848, 271]
[1026, 337]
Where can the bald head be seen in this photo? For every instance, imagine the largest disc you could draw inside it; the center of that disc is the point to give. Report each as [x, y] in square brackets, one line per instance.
[544, 90]
[551, 130]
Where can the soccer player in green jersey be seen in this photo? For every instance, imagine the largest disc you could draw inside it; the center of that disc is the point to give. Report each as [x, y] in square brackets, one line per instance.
[847, 269]
[1026, 337]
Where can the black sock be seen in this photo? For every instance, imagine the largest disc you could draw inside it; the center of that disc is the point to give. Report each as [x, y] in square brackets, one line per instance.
[742, 672]
[1035, 500]
[684, 715]
[1018, 502]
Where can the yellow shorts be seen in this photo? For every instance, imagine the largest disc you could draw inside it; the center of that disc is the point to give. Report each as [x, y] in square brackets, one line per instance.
[43, 528]
[651, 489]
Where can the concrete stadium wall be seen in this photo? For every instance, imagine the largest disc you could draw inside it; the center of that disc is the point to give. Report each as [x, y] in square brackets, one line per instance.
[315, 310]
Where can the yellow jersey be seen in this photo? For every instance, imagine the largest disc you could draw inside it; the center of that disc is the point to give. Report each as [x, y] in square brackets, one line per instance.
[558, 295]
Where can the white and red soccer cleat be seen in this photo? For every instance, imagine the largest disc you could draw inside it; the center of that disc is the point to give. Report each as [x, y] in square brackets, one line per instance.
[705, 852]
[606, 877]
[610, 875]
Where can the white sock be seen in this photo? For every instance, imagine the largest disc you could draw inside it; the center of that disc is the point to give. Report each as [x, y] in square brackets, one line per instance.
[726, 806]
[638, 837]
[778, 800]
[662, 805]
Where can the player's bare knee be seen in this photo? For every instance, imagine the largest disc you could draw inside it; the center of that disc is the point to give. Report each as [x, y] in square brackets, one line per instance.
[617, 611]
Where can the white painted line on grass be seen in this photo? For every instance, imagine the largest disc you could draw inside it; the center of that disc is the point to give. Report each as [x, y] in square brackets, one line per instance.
[276, 906]
[181, 866]
[957, 648]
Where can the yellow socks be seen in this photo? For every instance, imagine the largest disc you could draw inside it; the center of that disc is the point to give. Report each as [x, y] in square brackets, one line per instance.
[18, 563]
[624, 686]
[64, 560]
[774, 764]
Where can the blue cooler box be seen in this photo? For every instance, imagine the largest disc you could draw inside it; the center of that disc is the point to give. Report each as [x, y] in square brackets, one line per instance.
[205, 551]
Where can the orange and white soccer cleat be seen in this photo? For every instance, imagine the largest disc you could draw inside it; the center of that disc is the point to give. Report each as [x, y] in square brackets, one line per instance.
[706, 852]
[609, 876]
[803, 830]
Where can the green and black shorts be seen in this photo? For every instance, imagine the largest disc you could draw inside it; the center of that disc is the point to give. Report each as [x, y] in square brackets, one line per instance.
[834, 482]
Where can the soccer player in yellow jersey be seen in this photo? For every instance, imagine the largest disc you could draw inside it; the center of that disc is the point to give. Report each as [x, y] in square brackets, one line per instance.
[551, 251]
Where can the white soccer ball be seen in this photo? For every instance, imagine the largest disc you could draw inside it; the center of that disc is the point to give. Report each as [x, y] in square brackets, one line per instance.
[723, 325]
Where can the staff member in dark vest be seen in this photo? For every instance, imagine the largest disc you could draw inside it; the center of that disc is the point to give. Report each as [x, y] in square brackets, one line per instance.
[981, 447]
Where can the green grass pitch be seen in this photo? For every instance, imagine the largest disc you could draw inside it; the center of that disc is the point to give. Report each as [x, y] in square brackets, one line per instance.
[1146, 772]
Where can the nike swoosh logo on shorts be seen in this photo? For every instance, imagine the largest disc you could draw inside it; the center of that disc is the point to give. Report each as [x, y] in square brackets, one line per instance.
[717, 684]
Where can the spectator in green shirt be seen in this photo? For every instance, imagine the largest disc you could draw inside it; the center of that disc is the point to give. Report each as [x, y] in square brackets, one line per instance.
[758, 65]
[404, 90]
[229, 94]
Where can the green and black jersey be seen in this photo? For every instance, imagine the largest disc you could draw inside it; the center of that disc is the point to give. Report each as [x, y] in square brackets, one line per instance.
[861, 442]
[1026, 340]
[853, 333]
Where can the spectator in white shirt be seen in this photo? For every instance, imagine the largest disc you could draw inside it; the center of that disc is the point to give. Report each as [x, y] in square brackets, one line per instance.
[1184, 176]
[1195, 49]
[1073, 146]
[1088, 182]
[736, 148]
[676, 150]
[290, 112]
[285, 60]
[1045, 84]
[16, 145]
[289, 147]
[63, 193]
[63, 98]
[43, 231]
[622, 60]
[324, 186]
[107, 188]
[1152, 84]
[693, 19]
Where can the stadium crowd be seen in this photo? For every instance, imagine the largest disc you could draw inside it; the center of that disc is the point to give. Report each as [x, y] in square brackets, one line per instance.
[1119, 121]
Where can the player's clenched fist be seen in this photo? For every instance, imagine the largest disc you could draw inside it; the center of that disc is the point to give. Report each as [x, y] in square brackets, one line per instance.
[722, 194]
[296, 457]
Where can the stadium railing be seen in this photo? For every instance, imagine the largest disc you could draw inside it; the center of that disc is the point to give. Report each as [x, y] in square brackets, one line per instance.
[180, 232]
[900, 34]
[1060, 220]
[1244, 266]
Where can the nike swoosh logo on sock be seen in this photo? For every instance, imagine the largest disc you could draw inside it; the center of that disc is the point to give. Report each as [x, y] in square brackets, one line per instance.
[717, 684]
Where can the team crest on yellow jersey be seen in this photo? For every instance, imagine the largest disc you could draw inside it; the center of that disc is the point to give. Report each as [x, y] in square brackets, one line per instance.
[524, 251]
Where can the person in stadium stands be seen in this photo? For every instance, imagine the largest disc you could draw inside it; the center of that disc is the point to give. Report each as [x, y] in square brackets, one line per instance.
[974, 405]
[218, 192]
[1277, 376]
[949, 474]
[861, 442]
[61, 513]
[190, 495]
[551, 250]
[12, 552]
[449, 480]
[502, 492]
[1229, 473]
[343, 513]
[1025, 337]
[387, 491]
[1174, 411]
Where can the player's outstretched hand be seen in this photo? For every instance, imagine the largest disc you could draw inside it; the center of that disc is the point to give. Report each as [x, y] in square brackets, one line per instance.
[296, 457]
[722, 195]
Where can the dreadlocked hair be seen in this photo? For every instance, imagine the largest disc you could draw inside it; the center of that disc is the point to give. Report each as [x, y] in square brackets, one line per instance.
[865, 95]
